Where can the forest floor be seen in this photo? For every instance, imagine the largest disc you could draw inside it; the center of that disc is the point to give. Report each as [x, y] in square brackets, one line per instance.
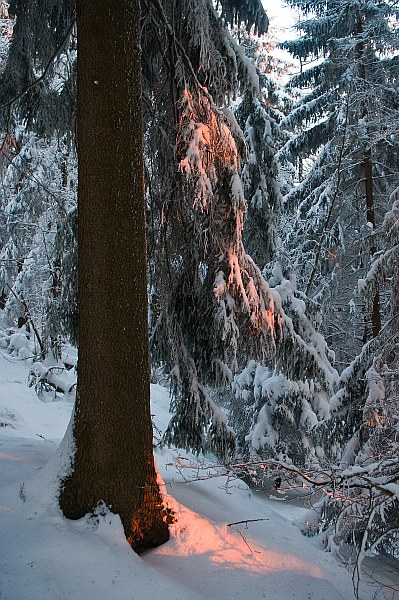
[44, 556]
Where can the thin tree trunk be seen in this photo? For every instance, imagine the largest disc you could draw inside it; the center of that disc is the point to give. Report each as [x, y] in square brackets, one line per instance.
[113, 462]
[369, 191]
[370, 215]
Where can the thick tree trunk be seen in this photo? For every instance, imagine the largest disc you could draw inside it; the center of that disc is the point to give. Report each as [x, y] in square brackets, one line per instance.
[112, 428]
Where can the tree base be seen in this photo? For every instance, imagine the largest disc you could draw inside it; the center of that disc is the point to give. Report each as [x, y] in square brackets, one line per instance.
[153, 539]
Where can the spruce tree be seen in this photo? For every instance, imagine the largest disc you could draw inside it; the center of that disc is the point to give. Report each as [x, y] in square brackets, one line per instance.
[277, 403]
[213, 310]
[342, 213]
[113, 461]
[208, 289]
[349, 115]
[362, 508]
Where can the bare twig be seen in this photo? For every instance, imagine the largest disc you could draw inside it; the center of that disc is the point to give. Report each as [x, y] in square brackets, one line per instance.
[246, 543]
[246, 522]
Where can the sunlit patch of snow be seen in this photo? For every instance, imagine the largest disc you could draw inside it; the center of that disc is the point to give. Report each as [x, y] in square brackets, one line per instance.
[45, 556]
[228, 547]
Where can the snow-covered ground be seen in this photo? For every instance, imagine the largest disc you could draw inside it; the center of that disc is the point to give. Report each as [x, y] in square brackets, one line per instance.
[44, 556]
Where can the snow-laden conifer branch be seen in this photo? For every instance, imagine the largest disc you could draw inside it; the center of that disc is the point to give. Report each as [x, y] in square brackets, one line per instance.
[37, 200]
[46, 70]
[251, 12]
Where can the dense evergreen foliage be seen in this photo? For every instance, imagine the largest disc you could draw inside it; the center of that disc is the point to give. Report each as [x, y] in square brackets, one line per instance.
[271, 225]
[345, 124]
[342, 215]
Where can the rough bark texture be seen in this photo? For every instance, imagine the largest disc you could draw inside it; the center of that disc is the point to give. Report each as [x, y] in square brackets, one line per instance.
[114, 461]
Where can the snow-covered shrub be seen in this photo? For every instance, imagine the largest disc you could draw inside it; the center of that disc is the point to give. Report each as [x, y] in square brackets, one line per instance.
[51, 380]
[20, 343]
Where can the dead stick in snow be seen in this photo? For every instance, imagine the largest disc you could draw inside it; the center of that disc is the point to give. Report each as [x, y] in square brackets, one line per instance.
[246, 522]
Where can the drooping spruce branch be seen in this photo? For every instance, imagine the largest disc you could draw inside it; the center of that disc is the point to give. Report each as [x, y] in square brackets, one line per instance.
[46, 69]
